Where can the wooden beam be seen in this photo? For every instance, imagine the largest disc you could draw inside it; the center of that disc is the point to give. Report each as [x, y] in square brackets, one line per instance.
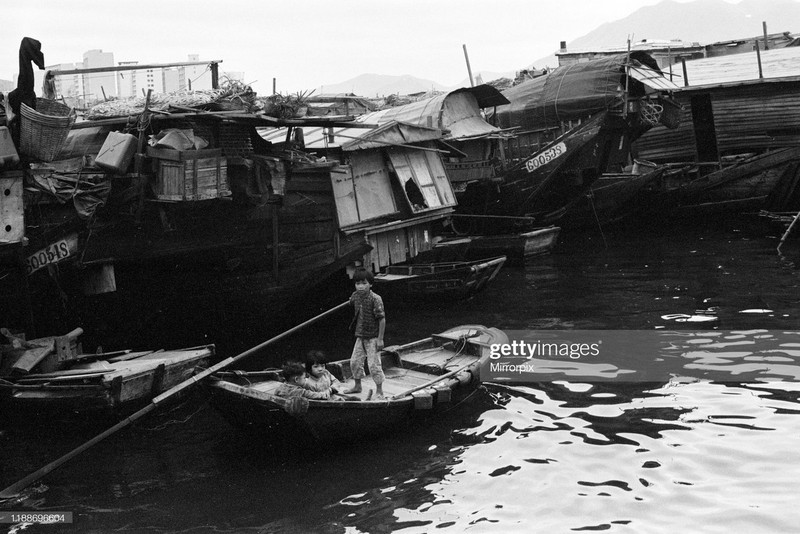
[230, 116]
[121, 68]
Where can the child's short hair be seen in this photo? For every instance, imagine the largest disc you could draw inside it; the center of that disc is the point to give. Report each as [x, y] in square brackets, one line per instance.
[363, 274]
[314, 357]
[292, 369]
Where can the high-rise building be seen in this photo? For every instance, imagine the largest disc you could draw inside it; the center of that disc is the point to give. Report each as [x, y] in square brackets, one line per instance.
[102, 85]
[194, 77]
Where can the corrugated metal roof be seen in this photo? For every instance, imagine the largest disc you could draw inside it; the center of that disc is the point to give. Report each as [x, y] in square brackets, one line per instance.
[651, 78]
[742, 68]
[645, 45]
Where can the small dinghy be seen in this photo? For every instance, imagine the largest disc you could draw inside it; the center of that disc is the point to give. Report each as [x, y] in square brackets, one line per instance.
[423, 379]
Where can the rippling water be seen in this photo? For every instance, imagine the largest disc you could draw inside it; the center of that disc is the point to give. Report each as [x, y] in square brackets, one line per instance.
[708, 443]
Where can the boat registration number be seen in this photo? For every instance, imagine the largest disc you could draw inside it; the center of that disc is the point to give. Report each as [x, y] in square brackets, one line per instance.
[546, 156]
[52, 253]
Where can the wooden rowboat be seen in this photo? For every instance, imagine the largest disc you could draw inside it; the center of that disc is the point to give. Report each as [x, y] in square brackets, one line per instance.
[66, 383]
[454, 280]
[517, 247]
[423, 378]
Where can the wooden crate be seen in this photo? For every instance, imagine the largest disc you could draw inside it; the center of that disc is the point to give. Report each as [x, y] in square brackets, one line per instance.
[190, 174]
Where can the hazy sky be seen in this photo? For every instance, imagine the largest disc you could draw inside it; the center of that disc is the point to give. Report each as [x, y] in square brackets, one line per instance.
[308, 43]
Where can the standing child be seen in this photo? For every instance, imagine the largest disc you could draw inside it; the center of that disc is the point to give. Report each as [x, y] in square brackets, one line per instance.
[370, 323]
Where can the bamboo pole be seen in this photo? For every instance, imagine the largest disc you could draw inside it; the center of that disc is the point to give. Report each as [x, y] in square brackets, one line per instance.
[14, 489]
[431, 382]
[758, 57]
[139, 158]
[476, 216]
[685, 75]
[627, 77]
[788, 230]
[469, 68]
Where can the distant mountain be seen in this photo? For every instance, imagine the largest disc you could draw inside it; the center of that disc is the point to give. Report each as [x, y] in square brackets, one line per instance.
[701, 21]
[376, 85]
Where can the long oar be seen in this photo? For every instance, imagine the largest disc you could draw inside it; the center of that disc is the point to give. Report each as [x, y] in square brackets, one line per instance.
[14, 489]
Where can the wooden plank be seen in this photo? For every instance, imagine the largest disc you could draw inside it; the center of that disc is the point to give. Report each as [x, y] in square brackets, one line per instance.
[345, 198]
[12, 210]
[77, 374]
[383, 250]
[128, 356]
[30, 358]
[423, 400]
[157, 385]
[397, 246]
[443, 393]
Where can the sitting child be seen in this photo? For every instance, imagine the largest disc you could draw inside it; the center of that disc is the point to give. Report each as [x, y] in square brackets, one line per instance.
[318, 377]
[294, 374]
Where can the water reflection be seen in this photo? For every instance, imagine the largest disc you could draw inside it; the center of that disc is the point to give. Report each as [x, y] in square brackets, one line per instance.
[698, 433]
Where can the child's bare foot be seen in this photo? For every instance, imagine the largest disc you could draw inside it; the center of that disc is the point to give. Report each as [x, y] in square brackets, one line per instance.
[354, 389]
[379, 396]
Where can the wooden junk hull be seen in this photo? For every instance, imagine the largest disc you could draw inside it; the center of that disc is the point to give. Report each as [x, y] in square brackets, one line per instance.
[611, 198]
[542, 187]
[443, 280]
[455, 356]
[766, 181]
[115, 386]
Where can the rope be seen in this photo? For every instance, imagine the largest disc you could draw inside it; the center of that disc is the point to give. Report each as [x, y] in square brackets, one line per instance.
[596, 218]
[650, 112]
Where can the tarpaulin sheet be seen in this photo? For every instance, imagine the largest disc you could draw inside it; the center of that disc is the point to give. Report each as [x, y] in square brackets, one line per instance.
[450, 116]
[570, 92]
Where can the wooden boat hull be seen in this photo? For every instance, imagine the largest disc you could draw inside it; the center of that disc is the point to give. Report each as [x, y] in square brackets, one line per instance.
[444, 280]
[438, 372]
[541, 188]
[767, 181]
[611, 198]
[102, 387]
[517, 247]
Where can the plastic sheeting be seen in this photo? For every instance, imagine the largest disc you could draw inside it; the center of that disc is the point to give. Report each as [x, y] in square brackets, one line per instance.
[570, 92]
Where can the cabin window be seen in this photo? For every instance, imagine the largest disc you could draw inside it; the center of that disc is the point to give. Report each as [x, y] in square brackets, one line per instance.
[423, 178]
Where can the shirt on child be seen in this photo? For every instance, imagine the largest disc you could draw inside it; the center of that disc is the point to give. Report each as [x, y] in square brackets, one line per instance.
[323, 383]
[369, 311]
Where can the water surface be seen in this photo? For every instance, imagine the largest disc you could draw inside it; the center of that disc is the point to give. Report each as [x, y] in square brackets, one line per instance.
[709, 443]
